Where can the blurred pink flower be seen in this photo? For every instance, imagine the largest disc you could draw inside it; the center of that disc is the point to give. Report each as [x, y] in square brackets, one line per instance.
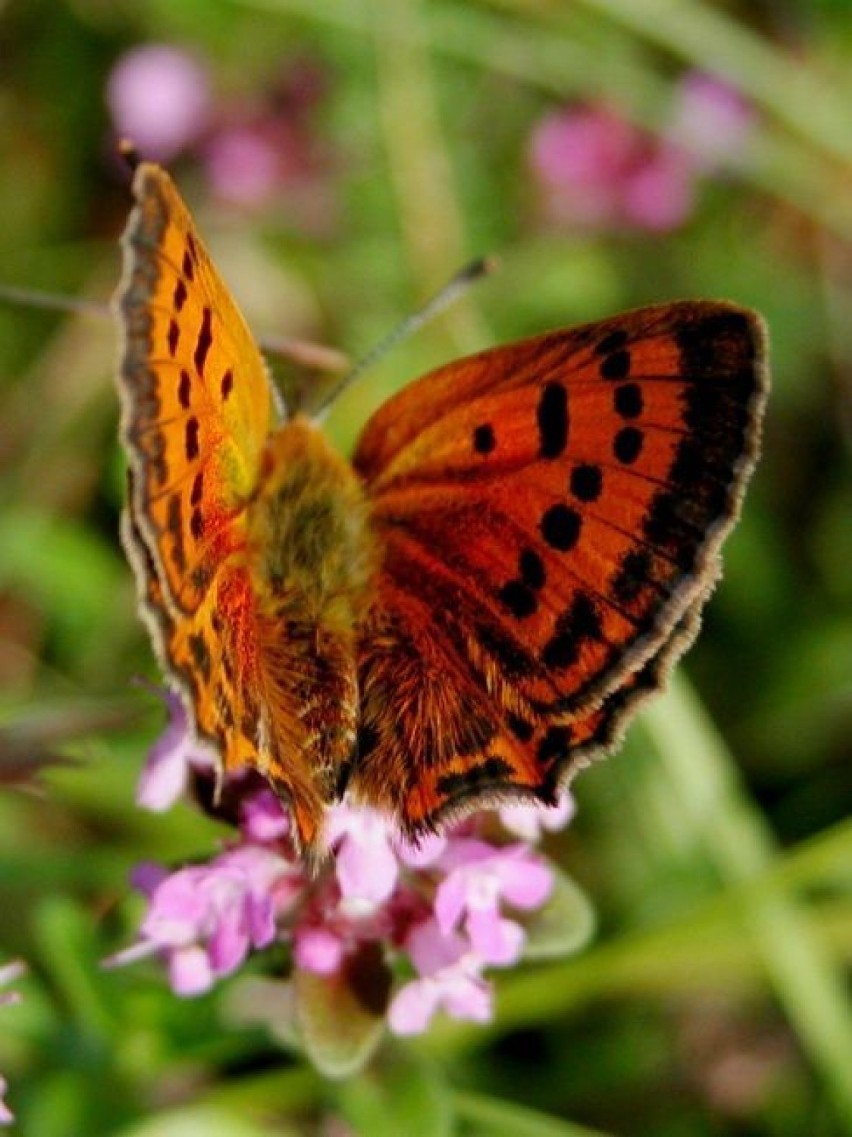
[711, 122]
[256, 155]
[377, 902]
[660, 194]
[243, 165]
[597, 170]
[159, 98]
[6, 1115]
[9, 973]
[256, 149]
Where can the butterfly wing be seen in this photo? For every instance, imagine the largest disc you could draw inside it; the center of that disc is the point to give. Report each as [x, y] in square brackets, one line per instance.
[197, 408]
[550, 515]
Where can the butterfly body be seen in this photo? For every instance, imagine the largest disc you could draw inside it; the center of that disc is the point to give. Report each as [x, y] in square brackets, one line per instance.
[311, 556]
[471, 609]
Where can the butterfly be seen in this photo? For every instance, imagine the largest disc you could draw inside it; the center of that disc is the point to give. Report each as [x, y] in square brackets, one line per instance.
[474, 606]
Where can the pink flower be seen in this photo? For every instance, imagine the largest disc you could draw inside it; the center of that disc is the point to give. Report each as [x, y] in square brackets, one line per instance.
[172, 760]
[206, 918]
[159, 98]
[9, 973]
[6, 1115]
[258, 149]
[580, 158]
[660, 195]
[479, 877]
[530, 822]
[450, 979]
[449, 908]
[243, 165]
[318, 950]
[711, 122]
[331, 926]
[262, 817]
[365, 862]
[597, 170]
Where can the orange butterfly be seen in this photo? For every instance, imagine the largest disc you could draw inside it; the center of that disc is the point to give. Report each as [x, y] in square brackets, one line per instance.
[471, 609]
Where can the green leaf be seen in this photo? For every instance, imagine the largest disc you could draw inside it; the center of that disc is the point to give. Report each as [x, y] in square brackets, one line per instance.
[563, 926]
[341, 1017]
[268, 1003]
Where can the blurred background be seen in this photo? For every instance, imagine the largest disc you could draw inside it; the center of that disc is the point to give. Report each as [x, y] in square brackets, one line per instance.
[343, 160]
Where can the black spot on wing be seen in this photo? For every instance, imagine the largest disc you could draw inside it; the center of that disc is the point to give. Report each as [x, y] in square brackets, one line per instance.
[632, 575]
[191, 445]
[514, 661]
[586, 482]
[518, 599]
[197, 492]
[560, 526]
[180, 295]
[190, 256]
[521, 728]
[483, 438]
[627, 400]
[615, 366]
[174, 526]
[613, 341]
[579, 622]
[184, 389]
[200, 654]
[519, 595]
[484, 774]
[204, 341]
[627, 445]
[552, 419]
[554, 746]
[531, 569]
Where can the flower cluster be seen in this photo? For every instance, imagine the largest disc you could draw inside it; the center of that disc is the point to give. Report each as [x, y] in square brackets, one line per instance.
[438, 914]
[599, 171]
[254, 149]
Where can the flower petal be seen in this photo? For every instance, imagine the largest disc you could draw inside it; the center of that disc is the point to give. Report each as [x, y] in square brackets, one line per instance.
[413, 1006]
[189, 971]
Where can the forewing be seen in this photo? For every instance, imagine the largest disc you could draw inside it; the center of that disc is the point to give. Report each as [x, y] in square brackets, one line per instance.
[197, 403]
[197, 408]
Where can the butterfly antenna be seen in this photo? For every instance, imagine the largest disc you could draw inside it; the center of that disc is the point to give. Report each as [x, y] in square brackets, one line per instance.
[53, 302]
[452, 290]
